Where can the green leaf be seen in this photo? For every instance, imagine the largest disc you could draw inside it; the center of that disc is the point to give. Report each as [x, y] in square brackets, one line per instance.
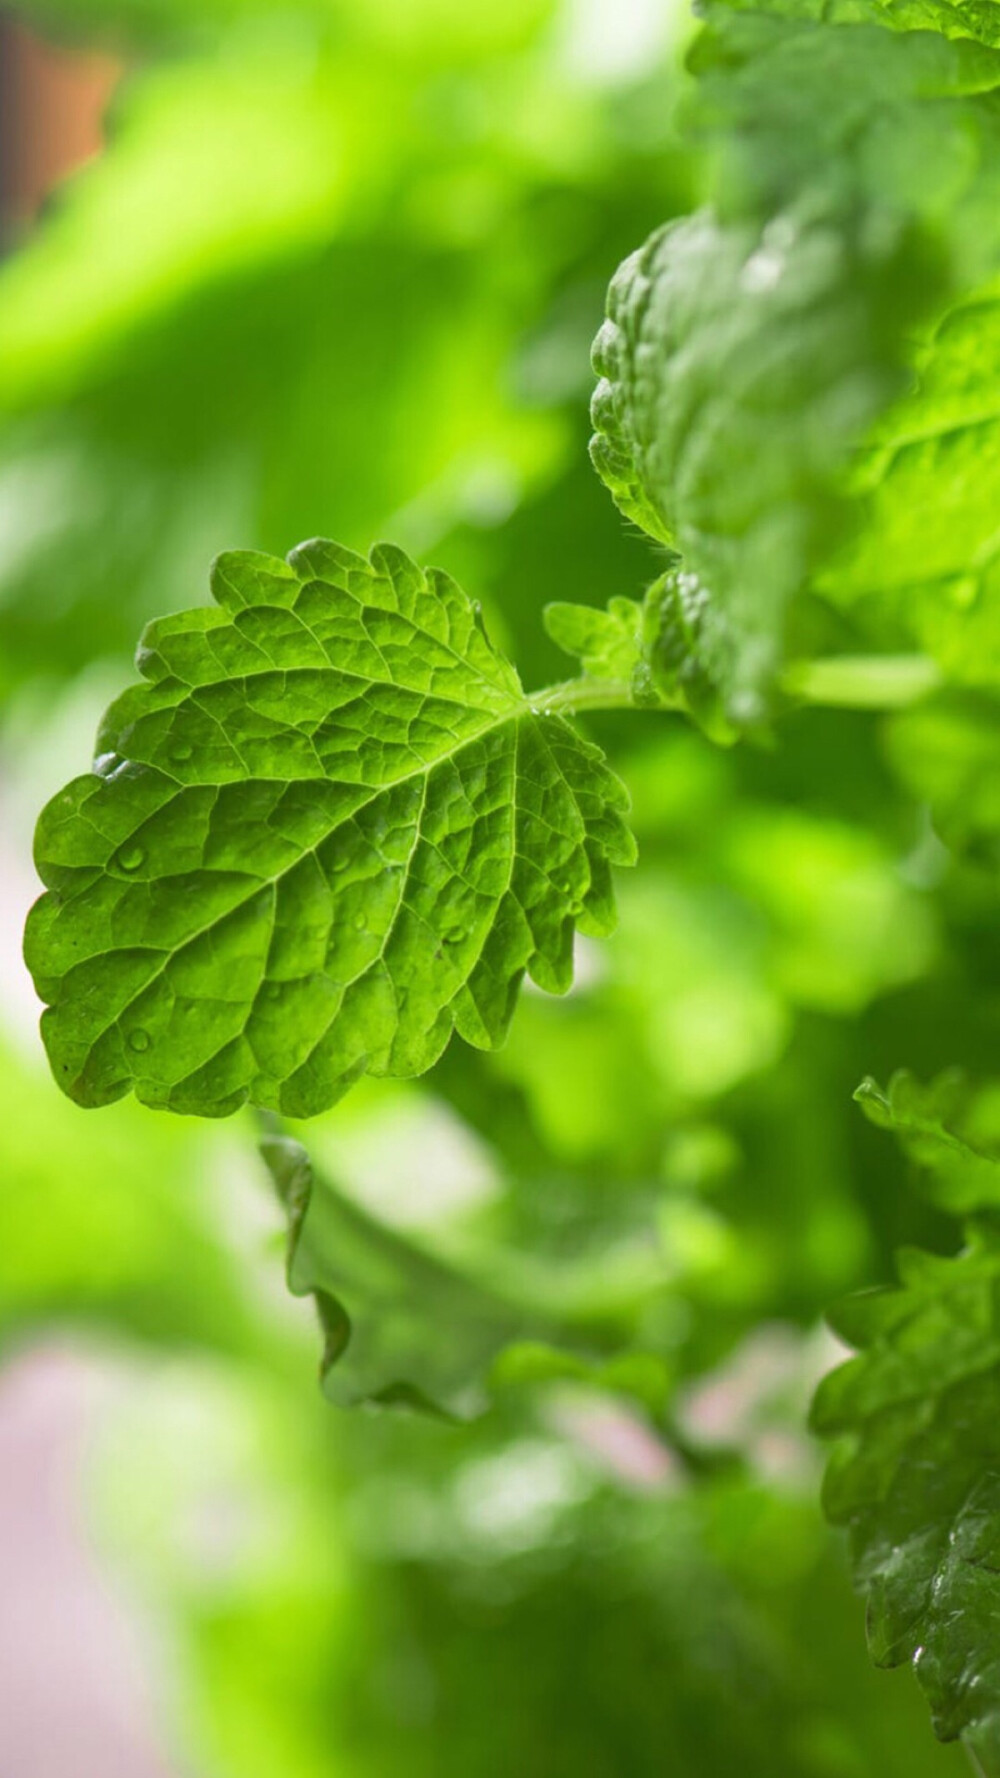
[949, 1128]
[327, 831]
[675, 614]
[649, 652]
[607, 643]
[935, 584]
[642, 1376]
[406, 1327]
[389, 1312]
[752, 349]
[915, 1477]
[741, 401]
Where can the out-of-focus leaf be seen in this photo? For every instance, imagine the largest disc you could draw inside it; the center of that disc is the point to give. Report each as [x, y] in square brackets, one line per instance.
[408, 1328]
[641, 1375]
[949, 1128]
[915, 1477]
[399, 1326]
[751, 348]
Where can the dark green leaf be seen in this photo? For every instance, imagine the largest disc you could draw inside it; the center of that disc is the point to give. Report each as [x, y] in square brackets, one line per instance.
[405, 1327]
[915, 1477]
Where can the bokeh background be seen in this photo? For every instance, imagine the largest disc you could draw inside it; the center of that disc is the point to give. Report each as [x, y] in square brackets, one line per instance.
[333, 266]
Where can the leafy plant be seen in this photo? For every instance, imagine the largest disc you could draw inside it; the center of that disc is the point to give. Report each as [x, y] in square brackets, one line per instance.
[331, 830]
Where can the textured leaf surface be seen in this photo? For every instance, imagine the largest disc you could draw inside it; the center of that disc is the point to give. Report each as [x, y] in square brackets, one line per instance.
[404, 1326]
[752, 349]
[916, 1479]
[326, 832]
[949, 1128]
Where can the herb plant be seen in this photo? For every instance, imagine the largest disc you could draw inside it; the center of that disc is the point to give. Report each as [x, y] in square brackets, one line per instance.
[330, 831]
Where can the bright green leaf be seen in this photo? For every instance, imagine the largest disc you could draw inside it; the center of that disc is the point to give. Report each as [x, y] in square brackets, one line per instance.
[607, 643]
[328, 830]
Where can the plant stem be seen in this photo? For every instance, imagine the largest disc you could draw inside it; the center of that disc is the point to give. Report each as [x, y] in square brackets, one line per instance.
[572, 695]
[862, 681]
[841, 681]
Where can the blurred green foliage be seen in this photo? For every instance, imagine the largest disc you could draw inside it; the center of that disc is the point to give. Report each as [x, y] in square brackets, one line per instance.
[337, 273]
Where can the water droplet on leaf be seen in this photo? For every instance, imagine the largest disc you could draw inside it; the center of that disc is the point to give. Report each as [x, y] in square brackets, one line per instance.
[138, 1039]
[360, 922]
[181, 752]
[130, 857]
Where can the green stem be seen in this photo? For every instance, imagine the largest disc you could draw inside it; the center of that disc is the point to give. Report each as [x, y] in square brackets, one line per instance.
[843, 681]
[572, 695]
[862, 681]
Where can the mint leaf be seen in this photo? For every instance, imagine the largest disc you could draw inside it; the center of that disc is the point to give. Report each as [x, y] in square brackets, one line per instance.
[648, 654]
[948, 1128]
[933, 585]
[607, 643]
[676, 613]
[915, 1477]
[389, 1312]
[326, 832]
[740, 362]
[752, 349]
[404, 1326]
